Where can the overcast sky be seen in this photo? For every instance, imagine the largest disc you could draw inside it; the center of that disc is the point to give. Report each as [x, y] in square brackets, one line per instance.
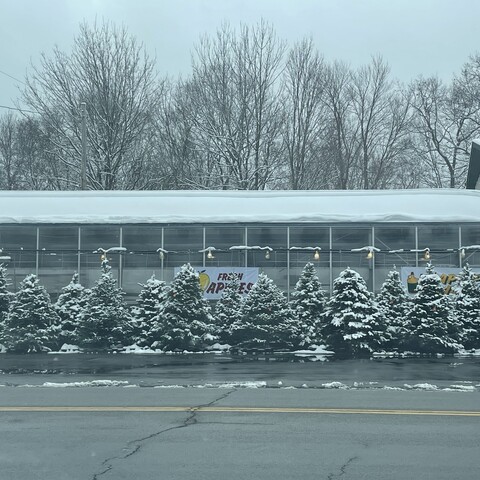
[428, 37]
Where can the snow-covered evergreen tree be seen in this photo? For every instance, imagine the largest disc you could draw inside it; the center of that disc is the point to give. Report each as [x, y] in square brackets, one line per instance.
[184, 321]
[352, 325]
[5, 295]
[393, 301]
[149, 301]
[32, 325]
[466, 302]
[267, 321]
[433, 328]
[105, 321]
[228, 309]
[5, 298]
[307, 304]
[69, 305]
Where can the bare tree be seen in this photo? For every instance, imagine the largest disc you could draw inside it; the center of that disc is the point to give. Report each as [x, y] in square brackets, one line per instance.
[446, 121]
[305, 115]
[342, 144]
[114, 76]
[382, 115]
[234, 108]
[10, 167]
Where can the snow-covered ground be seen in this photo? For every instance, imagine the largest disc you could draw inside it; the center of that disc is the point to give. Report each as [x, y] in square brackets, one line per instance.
[465, 386]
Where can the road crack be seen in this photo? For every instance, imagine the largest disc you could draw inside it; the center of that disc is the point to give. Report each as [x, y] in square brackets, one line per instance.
[331, 476]
[134, 446]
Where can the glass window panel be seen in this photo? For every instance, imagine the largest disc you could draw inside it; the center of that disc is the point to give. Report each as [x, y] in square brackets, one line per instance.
[222, 237]
[142, 243]
[275, 266]
[471, 237]
[19, 242]
[268, 236]
[442, 240]
[183, 244]
[309, 236]
[93, 237]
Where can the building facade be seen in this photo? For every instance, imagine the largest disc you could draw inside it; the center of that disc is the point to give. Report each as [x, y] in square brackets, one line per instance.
[54, 234]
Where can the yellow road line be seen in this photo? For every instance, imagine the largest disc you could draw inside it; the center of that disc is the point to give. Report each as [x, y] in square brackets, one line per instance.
[213, 409]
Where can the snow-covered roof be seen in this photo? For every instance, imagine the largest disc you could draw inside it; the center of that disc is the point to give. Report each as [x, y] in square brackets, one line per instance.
[121, 207]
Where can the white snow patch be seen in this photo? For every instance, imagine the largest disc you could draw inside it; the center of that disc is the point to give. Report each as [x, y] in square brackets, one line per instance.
[81, 207]
[225, 347]
[386, 387]
[460, 388]
[93, 383]
[169, 386]
[468, 353]
[421, 386]
[67, 348]
[338, 385]
[233, 385]
[139, 350]
[315, 350]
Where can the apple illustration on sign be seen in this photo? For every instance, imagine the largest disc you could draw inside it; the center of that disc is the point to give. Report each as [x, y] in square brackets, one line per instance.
[204, 280]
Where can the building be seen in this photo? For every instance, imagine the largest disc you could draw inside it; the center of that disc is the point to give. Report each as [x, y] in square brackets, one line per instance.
[54, 234]
[473, 175]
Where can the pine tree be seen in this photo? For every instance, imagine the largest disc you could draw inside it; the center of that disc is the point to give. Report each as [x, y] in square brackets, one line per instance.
[184, 321]
[393, 301]
[433, 327]
[267, 322]
[105, 321]
[352, 324]
[228, 308]
[308, 303]
[5, 298]
[5, 295]
[149, 302]
[32, 325]
[69, 306]
[466, 302]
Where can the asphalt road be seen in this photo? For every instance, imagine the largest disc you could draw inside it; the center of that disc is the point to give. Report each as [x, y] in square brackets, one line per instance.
[237, 433]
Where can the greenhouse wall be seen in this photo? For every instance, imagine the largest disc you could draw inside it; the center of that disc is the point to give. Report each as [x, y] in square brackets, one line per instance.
[54, 252]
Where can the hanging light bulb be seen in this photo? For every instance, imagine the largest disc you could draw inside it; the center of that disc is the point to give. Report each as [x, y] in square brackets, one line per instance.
[103, 257]
[210, 255]
[316, 255]
[161, 255]
[370, 255]
[462, 253]
[427, 254]
[267, 254]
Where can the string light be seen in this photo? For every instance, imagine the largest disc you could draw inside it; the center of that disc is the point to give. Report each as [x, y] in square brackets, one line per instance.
[426, 256]
[316, 255]
[370, 254]
[210, 255]
[267, 254]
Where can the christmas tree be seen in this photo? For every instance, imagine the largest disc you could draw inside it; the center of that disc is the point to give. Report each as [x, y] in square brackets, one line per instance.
[184, 321]
[149, 301]
[5, 295]
[352, 325]
[466, 302]
[69, 305]
[393, 301]
[308, 303]
[105, 321]
[32, 325]
[266, 322]
[433, 328]
[228, 308]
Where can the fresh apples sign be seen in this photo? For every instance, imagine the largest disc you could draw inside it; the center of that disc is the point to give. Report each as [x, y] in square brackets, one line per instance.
[213, 280]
